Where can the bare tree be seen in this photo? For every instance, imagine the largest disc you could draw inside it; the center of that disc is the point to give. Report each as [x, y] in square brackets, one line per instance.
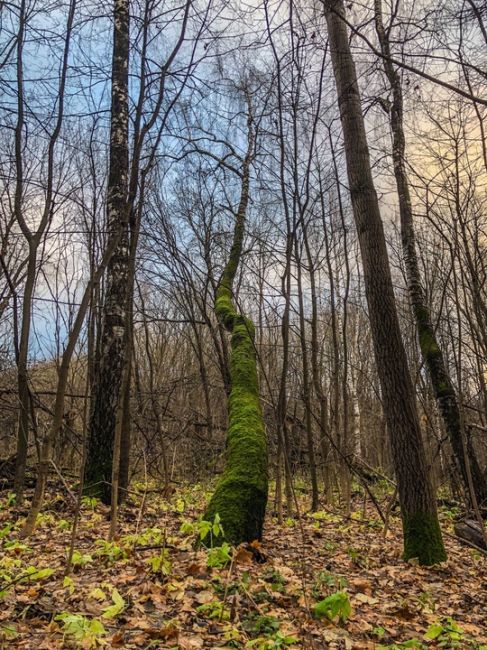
[422, 536]
[430, 348]
[240, 497]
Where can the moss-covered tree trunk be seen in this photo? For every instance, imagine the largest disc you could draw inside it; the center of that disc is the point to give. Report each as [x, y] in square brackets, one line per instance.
[444, 390]
[422, 535]
[240, 497]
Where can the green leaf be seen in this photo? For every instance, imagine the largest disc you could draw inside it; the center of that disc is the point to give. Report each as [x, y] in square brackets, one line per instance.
[80, 559]
[8, 631]
[30, 571]
[16, 546]
[117, 608]
[434, 631]
[6, 530]
[97, 627]
[68, 583]
[286, 640]
[97, 594]
[219, 556]
[204, 528]
[215, 610]
[81, 628]
[217, 527]
[336, 605]
[187, 528]
[42, 573]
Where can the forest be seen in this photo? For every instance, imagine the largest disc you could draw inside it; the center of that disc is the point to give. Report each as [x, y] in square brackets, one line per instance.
[243, 324]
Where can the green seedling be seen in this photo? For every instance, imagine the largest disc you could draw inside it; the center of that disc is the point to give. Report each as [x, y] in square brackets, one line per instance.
[83, 630]
[219, 556]
[111, 551]
[214, 610]
[336, 605]
[160, 564]
[118, 605]
[79, 560]
[89, 502]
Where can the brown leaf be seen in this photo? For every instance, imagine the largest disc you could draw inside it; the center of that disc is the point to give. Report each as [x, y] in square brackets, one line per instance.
[361, 585]
[197, 570]
[364, 598]
[117, 638]
[191, 642]
[242, 556]
[204, 597]
[168, 632]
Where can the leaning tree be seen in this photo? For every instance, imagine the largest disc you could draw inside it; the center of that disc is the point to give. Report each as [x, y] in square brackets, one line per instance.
[422, 534]
[240, 497]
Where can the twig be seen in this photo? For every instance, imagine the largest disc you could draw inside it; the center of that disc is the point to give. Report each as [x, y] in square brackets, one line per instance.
[227, 585]
[63, 481]
[144, 497]
[388, 513]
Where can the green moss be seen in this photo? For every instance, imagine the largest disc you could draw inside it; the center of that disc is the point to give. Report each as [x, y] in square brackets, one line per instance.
[224, 307]
[422, 539]
[242, 509]
[443, 389]
[240, 497]
[427, 342]
[427, 337]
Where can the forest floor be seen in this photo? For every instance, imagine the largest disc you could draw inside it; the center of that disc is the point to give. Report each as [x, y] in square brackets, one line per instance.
[152, 589]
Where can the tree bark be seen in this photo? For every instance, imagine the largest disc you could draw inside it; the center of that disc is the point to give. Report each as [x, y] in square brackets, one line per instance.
[422, 535]
[22, 376]
[108, 379]
[240, 497]
[306, 379]
[444, 390]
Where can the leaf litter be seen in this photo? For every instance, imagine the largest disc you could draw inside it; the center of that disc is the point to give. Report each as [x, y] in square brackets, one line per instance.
[330, 580]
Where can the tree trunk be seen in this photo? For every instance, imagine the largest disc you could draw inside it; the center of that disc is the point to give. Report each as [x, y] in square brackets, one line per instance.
[108, 380]
[432, 354]
[240, 497]
[58, 409]
[126, 433]
[126, 438]
[306, 380]
[422, 535]
[23, 349]
[22, 376]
